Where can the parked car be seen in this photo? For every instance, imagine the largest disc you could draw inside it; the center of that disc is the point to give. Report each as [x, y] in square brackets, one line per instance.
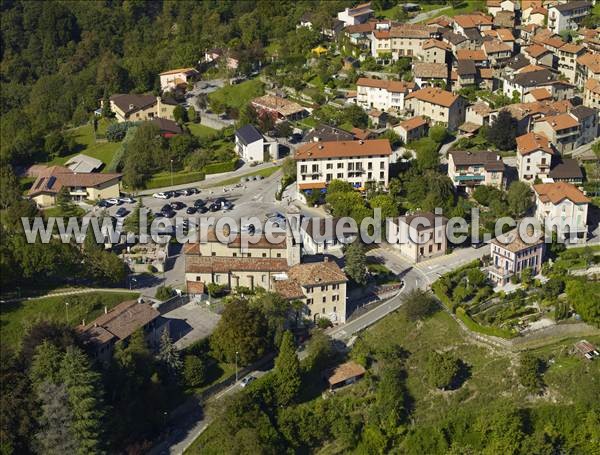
[189, 191]
[127, 200]
[214, 207]
[247, 380]
[161, 195]
[169, 214]
[191, 210]
[177, 205]
[166, 208]
[199, 203]
[121, 212]
[201, 209]
[113, 201]
[104, 203]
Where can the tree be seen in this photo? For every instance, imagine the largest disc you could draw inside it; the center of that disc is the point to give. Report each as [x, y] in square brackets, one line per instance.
[503, 132]
[55, 145]
[84, 390]
[441, 369]
[45, 365]
[289, 168]
[355, 115]
[169, 355]
[438, 133]
[428, 156]
[194, 371]
[419, 304]
[192, 115]
[63, 200]
[387, 204]
[179, 114]
[241, 329]
[106, 110]
[320, 351]
[164, 292]
[529, 372]
[287, 370]
[356, 263]
[55, 435]
[519, 198]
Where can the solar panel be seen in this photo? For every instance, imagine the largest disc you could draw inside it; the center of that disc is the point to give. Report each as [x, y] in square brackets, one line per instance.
[40, 183]
[51, 181]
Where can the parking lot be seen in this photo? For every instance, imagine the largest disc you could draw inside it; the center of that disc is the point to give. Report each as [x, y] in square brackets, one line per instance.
[191, 322]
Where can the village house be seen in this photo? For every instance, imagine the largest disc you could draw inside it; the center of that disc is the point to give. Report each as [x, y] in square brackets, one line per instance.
[591, 94]
[438, 105]
[562, 208]
[137, 108]
[434, 51]
[420, 236]
[562, 130]
[454, 40]
[479, 113]
[357, 15]
[319, 236]
[166, 128]
[177, 78]
[497, 52]
[475, 21]
[511, 254]
[321, 286]
[239, 262]
[412, 129]
[538, 55]
[504, 19]
[588, 124]
[253, 147]
[100, 336]
[588, 67]
[537, 94]
[567, 16]
[567, 60]
[279, 108]
[83, 163]
[523, 83]
[478, 56]
[566, 170]
[323, 132]
[404, 40]
[534, 157]
[534, 15]
[345, 374]
[384, 95]
[470, 169]
[430, 74]
[79, 186]
[466, 75]
[356, 162]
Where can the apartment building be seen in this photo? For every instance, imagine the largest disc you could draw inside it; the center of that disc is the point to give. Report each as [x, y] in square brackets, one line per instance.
[470, 169]
[356, 162]
[567, 16]
[588, 67]
[591, 94]
[567, 60]
[497, 52]
[534, 157]
[524, 82]
[563, 208]
[420, 236]
[404, 40]
[411, 129]
[384, 95]
[253, 147]
[434, 51]
[235, 262]
[321, 286]
[511, 254]
[438, 105]
[562, 130]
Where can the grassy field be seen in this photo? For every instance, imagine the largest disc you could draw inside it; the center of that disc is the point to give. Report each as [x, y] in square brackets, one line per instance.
[265, 172]
[201, 131]
[16, 317]
[163, 179]
[392, 13]
[468, 6]
[238, 95]
[84, 137]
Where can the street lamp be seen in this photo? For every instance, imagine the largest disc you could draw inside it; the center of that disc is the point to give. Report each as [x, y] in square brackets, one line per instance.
[171, 172]
[236, 366]
[67, 310]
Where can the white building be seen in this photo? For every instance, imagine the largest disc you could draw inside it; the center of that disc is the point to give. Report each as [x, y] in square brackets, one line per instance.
[252, 146]
[438, 105]
[470, 169]
[320, 236]
[534, 156]
[170, 80]
[357, 15]
[567, 16]
[383, 95]
[562, 207]
[420, 236]
[356, 162]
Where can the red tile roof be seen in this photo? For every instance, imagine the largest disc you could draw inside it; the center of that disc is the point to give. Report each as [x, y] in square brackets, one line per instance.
[343, 149]
[556, 192]
[391, 86]
[434, 95]
[531, 142]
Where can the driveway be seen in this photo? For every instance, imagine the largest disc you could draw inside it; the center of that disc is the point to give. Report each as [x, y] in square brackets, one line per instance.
[191, 322]
[426, 15]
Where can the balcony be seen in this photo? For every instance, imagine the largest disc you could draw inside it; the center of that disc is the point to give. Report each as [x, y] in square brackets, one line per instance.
[467, 178]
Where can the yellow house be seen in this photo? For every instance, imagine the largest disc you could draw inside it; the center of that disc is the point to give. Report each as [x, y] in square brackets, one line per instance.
[84, 186]
[138, 108]
[319, 50]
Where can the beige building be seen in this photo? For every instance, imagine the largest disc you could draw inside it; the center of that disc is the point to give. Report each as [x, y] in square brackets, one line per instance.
[563, 208]
[180, 77]
[320, 285]
[588, 67]
[411, 129]
[420, 236]
[236, 263]
[511, 254]
[534, 157]
[137, 108]
[562, 130]
[438, 105]
[479, 113]
[384, 95]
[404, 40]
[81, 187]
[591, 94]
[356, 162]
[470, 169]
[434, 51]
[567, 60]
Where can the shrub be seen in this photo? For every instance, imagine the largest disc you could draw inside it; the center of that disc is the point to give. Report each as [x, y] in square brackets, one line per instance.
[441, 369]
[164, 293]
[217, 168]
[215, 289]
[324, 323]
[116, 131]
[194, 371]
[151, 269]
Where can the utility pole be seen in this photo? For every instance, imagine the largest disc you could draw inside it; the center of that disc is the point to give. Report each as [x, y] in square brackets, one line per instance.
[171, 172]
[236, 366]
[67, 310]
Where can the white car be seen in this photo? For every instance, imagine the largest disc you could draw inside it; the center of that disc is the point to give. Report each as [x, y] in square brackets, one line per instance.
[113, 201]
[160, 196]
[127, 200]
[247, 380]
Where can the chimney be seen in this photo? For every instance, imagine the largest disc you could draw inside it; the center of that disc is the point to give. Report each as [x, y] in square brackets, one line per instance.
[131, 106]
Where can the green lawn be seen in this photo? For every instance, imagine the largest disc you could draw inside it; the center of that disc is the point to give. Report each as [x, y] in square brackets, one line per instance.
[84, 137]
[240, 94]
[16, 317]
[164, 179]
[265, 172]
[468, 6]
[201, 131]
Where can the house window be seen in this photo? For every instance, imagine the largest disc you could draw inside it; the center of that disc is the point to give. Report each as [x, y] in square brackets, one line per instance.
[309, 302]
[235, 255]
[264, 255]
[213, 254]
[323, 288]
[340, 165]
[303, 169]
[324, 299]
[278, 255]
